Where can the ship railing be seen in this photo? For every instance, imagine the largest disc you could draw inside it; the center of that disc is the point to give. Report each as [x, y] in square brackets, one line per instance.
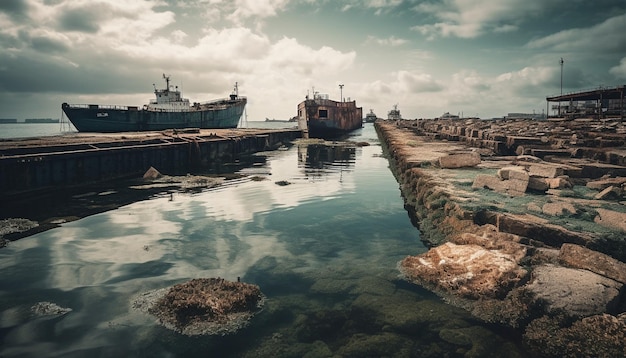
[98, 106]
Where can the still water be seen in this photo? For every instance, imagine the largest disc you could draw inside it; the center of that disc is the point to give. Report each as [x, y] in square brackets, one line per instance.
[323, 249]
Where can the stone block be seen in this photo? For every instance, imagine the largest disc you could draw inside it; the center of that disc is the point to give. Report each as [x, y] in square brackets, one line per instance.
[545, 170]
[605, 183]
[611, 219]
[576, 292]
[609, 193]
[580, 257]
[152, 174]
[489, 182]
[561, 182]
[558, 209]
[459, 160]
[503, 173]
[538, 183]
[517, 183]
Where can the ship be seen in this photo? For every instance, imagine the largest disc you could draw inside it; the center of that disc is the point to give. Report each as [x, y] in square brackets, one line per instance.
[327, 119]
[394, 114]
[370, 117]
[168, 111]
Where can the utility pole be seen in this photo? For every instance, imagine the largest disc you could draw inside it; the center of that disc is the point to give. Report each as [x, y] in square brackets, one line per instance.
[341, 91]
[561, 63]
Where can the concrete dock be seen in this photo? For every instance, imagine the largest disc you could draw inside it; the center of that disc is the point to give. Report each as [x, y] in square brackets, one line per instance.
[36, 164]
[525, 224]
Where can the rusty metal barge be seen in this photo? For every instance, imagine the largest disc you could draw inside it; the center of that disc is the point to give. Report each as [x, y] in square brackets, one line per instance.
[168, 111]
[325, 118]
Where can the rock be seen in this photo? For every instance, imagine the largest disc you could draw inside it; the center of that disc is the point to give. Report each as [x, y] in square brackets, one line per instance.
[204, 306]
[611, 219]
[558, 209]
[610, 192]
[575, 292]
[510, 180]
[527, 159]
[484, 181]
[468, 271]
[545, 170]
[538, 183]
[601, 335]
[560, 182]
[152, 174]
[49, 309]
[504, 173]
[517, 183]
[604, 183]
[9, 226]
[583, 258]
[459, 160]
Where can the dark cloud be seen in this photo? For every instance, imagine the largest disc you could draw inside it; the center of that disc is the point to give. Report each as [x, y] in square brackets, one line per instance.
[81, 19]
[16, 9]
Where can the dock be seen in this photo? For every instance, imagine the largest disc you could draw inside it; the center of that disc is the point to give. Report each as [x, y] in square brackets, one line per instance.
[524, 222]
[29, 165]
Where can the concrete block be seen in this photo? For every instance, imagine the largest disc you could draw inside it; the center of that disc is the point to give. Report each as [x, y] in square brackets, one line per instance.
[459, 160]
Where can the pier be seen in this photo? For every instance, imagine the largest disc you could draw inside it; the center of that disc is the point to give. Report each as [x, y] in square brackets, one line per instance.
[48, 163]
[525, 224]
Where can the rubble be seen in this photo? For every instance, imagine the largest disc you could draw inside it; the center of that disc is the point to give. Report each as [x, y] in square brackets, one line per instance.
[537, 240]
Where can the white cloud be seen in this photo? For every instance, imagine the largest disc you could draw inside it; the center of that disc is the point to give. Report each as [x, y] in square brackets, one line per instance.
[389, 41]
[245, 9]
[619, 71]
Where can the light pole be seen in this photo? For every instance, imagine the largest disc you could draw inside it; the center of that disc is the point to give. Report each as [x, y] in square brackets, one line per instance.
[341, 91]
[561, 63]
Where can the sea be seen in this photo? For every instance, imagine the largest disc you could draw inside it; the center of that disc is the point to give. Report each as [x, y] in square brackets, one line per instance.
[321, 236]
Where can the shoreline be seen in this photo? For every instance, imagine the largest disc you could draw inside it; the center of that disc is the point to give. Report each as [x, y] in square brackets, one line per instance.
[516, 239]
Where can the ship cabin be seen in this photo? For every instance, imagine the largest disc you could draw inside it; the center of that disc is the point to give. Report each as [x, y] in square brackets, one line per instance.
[168, 100]
[344, 115]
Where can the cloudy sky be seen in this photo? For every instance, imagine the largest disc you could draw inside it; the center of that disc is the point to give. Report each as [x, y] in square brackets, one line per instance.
[481, 58]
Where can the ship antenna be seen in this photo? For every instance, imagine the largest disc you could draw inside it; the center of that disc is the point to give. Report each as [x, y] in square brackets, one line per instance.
[167, 82]
[236, 89]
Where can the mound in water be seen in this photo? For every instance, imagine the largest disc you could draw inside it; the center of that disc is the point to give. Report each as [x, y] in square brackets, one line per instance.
[203, 306]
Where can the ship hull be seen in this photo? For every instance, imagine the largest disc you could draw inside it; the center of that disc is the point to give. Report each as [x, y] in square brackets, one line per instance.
[109, 119]
[329, 119]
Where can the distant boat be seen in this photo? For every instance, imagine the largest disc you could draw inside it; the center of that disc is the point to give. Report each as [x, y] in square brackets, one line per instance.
[371, 117]
[8, 120]
[394, 114]
[41, 120]
[325, 118]
[168, 111]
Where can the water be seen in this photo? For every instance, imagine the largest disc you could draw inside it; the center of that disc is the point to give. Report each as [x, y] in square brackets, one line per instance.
[323, 249]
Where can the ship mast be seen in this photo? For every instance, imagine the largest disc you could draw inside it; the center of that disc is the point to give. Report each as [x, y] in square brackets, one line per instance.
[167, 82]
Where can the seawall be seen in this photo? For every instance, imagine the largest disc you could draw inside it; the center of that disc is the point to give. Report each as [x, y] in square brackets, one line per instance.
[525, 224]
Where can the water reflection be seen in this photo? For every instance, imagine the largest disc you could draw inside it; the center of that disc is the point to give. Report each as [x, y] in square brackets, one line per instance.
[318, 160]
[323, 249]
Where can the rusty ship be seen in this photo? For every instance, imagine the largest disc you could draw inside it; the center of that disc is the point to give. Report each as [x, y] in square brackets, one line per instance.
[326, 118]
[168, 111]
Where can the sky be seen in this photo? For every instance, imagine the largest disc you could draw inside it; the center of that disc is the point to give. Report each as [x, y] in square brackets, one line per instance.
[482, 58]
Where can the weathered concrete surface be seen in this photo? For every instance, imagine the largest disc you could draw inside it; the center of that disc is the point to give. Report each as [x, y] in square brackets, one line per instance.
[508, 237]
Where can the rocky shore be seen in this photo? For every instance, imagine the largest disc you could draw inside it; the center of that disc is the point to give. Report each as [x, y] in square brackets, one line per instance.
[526, 224]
